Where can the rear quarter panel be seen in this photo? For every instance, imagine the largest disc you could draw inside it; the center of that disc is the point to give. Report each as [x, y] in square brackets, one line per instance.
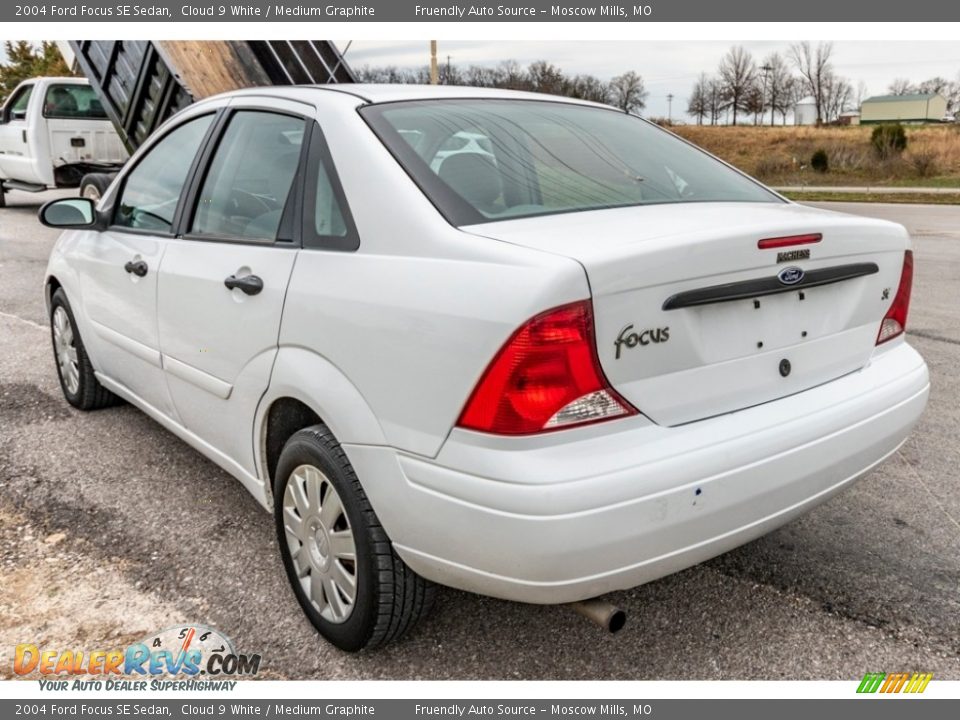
[414, 316]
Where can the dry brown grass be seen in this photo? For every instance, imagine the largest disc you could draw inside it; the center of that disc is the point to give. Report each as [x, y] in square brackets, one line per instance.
[781, 155]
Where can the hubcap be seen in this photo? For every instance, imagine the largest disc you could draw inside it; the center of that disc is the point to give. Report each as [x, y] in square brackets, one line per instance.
[64, 348]
[321, 543]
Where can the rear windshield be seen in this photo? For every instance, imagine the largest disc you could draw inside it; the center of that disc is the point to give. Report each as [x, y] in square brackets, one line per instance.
[485, 160]
[73, 101]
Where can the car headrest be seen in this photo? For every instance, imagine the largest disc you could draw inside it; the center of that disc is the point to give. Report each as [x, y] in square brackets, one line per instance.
[473, 176]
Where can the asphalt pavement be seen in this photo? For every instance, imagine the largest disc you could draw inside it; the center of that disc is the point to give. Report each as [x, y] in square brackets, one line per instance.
[111, 528]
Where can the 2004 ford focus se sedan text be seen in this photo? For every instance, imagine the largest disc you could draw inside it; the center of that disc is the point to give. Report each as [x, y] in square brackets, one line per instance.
[525, 346]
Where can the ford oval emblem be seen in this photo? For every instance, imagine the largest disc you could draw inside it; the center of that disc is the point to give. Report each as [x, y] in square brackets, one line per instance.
[790, 275]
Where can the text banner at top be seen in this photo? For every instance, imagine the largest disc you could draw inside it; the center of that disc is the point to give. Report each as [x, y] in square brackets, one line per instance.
[513, 11]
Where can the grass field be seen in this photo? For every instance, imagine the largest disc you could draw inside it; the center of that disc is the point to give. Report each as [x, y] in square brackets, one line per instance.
[781, 155]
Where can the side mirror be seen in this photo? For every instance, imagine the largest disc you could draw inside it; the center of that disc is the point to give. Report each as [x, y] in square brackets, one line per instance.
[69, 213]
[18, 114]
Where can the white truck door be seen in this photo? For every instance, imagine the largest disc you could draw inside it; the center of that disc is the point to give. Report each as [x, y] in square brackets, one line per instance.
[16, 162]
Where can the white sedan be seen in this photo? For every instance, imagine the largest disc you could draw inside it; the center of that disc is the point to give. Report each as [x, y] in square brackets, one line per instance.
[580, 360]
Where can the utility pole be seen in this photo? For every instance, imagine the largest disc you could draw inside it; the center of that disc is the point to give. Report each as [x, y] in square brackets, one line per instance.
[434, 70]
[446, 80]
[670, 108]
[766, 68]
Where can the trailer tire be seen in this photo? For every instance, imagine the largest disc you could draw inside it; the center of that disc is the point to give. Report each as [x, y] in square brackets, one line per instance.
[94, 185]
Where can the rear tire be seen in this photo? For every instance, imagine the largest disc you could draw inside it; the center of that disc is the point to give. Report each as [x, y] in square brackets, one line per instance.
[77, 380]
[313, 476]
[94, 185]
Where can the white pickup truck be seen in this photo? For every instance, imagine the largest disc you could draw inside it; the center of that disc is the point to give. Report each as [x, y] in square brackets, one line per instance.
[53, 133]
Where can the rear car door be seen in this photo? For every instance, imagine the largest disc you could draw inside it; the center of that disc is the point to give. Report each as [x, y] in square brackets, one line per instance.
[222, 282]
[118, 268]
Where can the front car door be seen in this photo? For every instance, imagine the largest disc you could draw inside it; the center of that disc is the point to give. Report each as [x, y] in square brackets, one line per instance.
[222, 283]
[118, 267]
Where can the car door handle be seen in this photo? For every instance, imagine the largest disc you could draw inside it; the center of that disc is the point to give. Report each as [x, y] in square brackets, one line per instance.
[250, 284]
[138, 268]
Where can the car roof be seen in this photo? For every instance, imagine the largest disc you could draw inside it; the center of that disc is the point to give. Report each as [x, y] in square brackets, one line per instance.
[373, 93]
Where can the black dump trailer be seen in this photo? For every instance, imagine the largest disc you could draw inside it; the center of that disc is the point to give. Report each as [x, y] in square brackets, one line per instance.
[141, 83]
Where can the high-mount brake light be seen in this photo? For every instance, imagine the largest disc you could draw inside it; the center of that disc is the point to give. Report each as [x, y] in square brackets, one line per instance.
[547, 376]
[789, 241]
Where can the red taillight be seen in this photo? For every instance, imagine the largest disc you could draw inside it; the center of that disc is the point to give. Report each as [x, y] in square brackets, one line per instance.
[546, 377]
[895, 321]
[789, 240]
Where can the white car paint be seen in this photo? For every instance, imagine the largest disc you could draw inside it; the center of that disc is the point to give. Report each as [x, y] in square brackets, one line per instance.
[31, 147]
[386, 344]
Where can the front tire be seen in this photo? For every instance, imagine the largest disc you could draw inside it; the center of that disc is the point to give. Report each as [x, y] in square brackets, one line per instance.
[94, 185]
[342, 567]
[77, 380]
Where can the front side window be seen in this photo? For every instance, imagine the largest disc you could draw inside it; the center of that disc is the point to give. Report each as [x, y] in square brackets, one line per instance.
[18, 106]
[76, 102]
[246, 189]
[484, 160]
[151, 191]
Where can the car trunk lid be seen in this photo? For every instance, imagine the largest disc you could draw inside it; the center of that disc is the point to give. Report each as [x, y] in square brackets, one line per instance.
[693, 319]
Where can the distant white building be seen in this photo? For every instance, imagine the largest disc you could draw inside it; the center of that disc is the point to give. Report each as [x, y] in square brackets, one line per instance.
[917, 108]
[805, 112]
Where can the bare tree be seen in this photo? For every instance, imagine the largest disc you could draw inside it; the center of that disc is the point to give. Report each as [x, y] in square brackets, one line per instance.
[838, 97]
[793, 92]
[628, 92]
[697, 105]
[753, 102]
[778, 85]
[813, 63]
[512, 76]
[546, 78]
[715, 99]
[737, 73]
[588, 87]
[862, 93]
[479, 76]
[901, 86]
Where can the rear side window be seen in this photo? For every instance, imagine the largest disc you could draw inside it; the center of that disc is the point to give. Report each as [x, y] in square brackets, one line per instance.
[327, 217]
[151, 191]
[327, 222]
[245, 191]
[484, 160]
[73, 102]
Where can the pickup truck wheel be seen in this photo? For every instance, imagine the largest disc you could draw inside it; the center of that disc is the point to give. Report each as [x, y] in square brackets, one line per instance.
[94, 185]
[77, 380]
[342, 567]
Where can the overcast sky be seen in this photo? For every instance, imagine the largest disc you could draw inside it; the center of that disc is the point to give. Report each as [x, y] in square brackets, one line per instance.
[671, 67]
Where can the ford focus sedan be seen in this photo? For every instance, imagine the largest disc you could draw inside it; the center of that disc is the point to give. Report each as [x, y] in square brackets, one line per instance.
[572, 356]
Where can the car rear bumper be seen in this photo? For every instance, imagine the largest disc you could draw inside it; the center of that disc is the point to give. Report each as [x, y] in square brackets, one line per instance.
[577, 514]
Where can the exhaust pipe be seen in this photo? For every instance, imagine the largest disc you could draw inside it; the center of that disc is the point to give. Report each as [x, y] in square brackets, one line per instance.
[606, 615]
